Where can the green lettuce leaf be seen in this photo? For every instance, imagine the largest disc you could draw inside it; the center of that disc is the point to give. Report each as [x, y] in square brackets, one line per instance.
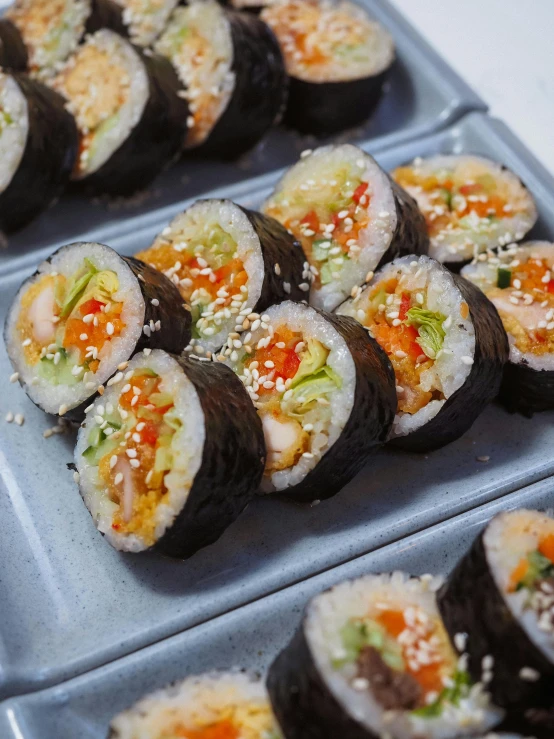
[429, 327]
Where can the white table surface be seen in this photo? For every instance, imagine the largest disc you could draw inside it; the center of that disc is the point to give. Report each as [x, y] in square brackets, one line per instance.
[504, 49]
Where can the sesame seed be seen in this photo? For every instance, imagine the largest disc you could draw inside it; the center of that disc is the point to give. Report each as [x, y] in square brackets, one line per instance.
[118, 479]
[135, 463]
[19, 419]
[76, 477]
[14, 377]
[529, 674]
[27, 342]
[109, 328]
[113, 461]
[62, 410]
[131, 453]
[467, 360]
[483, 458]
[155, 302]
[9, 417]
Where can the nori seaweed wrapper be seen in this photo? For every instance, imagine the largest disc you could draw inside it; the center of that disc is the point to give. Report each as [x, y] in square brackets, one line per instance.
[105, 14]
[370, 419]
[537, 723]
[233, 461]
[410, 235]
[155, 142]
[304, 706]
[260, 91]
[482, 385]
[470, 602]
[278, 247]
[323, 108]
[13, 52]
[526, 390]
[48, 159]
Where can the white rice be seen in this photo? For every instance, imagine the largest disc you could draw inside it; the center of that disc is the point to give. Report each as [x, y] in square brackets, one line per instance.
[13, 130]
[448, 373]
[68, 261]
[207, 76]
[351, 45]
[330, 611]
[51, 31]
[320, 166]
[195, 702]
[199, 219]
[187, 446]
[476, 234]
[509, 538]
[146, 19]
[106, 143]
[485, 274]
[301, 318]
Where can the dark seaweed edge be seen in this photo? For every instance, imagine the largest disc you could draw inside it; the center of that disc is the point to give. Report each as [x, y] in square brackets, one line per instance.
[13, 52]
[278, 247]
[106, 14]
[48, 158]
[260, 92]
[470, 602]
[155, 142]
[526, 390]
[233, 461]
[370, 419]
[303, 704]
[481, 386]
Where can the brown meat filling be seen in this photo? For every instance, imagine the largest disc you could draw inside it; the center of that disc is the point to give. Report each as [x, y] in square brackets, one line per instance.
[393, 690]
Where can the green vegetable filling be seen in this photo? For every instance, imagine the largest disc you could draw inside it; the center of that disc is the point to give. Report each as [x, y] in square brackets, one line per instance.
[356, 635]
[451, 696]
[430, 328]
[504, 278]
[540, 568]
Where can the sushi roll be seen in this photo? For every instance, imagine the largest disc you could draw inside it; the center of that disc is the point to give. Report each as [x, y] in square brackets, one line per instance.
[228, 262]
[337, 59]
[51, 30]
[372, 659]
[501, 595]
[38, 147]
[13, 52]
[217, 705]
[325, 394]
[170, 455]
[445, 341]
[234, 74]
[81, 316]
[519, 280]
[131, 121]
[145, 20]
[349, 217]
[470, 203]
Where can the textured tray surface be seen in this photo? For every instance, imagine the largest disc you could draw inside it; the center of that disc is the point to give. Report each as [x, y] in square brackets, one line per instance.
[70, 603]
[423, 94]
[249, 637]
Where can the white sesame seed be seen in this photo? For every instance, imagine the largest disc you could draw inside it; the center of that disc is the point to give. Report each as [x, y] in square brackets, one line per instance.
[118, 479]
[27, 342]
[113, 461]
[19, 419]
[14, 377]
[131, 453]
[155, 302]
[109, 328]
[76, 477]
[529, 674]
[467, 360]
[135, 463]
[9, 417]
[62, 410]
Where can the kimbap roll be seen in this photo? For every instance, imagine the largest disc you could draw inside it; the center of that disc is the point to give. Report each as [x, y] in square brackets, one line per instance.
[234, 74]
[129, 113]
[13, 53]
[214, 706]
[81, 316]
[170, 455]
[38, 149]
[146, 19]
[228, 263]
[501, 595]
[445, 341]
[337, 59]
[470, 204]
[51, 30]
[519, 280]
[324, 391]
[349, 217]
[372, 659]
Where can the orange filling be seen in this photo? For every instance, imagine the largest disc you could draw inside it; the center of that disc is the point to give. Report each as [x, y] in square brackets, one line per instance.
[429, 676]
[520, 571]
[405, 354]
[104, 327]
[148, 485]
[222, 730]
[187, 269]
[476, 199]
[285, 359]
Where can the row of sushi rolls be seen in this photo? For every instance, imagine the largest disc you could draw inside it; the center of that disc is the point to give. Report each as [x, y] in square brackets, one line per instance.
[103, 95]
[271, 352]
